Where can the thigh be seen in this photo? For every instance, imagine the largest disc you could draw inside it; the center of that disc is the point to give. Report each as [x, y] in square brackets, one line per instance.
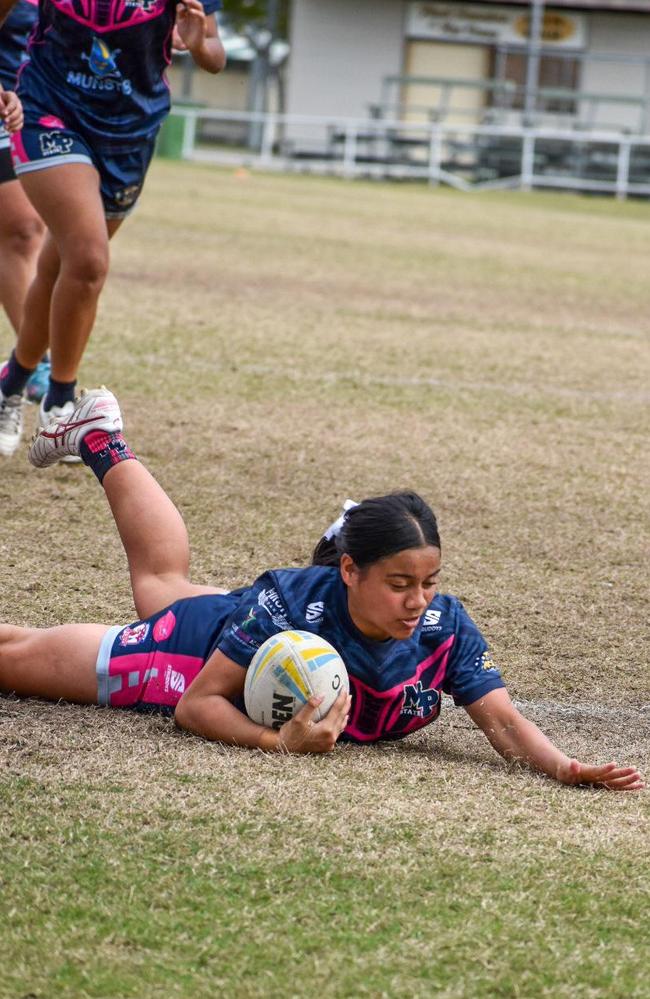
[53, 663]
[67, 199]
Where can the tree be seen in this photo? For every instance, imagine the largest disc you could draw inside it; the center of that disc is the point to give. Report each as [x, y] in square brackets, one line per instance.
[247, 15]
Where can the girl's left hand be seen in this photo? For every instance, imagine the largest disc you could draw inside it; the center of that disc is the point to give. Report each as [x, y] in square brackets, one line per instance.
[191, 27]
[609, 776]
[11, 111]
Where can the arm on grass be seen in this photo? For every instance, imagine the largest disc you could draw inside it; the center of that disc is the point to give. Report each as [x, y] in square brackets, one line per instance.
[199, 34]
[206, 709]
[518, 739]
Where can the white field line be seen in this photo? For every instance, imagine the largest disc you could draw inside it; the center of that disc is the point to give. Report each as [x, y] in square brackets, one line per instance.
[510, 388]
[576, 711]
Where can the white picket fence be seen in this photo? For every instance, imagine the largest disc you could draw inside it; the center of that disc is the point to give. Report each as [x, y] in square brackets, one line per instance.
[468, 157]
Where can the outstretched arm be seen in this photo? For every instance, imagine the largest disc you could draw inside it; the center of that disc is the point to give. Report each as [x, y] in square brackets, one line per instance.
[518, 739]
[197, 32]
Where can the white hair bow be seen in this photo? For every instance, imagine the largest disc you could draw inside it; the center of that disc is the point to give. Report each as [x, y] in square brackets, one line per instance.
[335, 528]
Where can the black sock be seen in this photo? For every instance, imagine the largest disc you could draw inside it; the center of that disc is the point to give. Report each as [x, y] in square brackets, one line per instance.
[101, 450]
[14, 377]
[59, 393]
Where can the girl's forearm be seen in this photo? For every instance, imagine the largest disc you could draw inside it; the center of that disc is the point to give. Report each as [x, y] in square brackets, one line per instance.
[215, 718]
[519, 740]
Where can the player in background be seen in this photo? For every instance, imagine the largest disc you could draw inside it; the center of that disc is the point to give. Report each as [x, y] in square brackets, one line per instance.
[21, 230]
[370, 591]
[94, 95]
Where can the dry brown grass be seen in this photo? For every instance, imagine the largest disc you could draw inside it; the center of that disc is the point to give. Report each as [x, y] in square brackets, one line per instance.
[279, 344]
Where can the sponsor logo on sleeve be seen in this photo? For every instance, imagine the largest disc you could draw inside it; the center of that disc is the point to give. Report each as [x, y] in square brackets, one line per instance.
[431, 621]
[485, 662]
[315, 612]
[270, 601]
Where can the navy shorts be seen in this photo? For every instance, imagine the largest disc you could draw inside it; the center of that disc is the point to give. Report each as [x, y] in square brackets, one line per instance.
[150, 664]
[6, 165]
[47, 142]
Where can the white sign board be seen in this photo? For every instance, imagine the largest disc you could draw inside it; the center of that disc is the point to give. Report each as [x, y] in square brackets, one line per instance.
[466, 22]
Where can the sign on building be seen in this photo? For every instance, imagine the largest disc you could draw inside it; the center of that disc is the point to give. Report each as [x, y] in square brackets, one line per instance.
[466, 22]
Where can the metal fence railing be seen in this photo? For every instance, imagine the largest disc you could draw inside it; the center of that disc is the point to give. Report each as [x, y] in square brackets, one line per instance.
[467, 157]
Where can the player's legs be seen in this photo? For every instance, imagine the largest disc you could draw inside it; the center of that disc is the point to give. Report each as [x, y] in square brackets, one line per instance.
[154, 537]
[54, 663]
[21, 234]
[150, 526]
[63, 305]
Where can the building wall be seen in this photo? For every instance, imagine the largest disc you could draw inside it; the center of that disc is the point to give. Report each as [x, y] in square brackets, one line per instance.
[226, 90]
[624, 33]
[340, 52]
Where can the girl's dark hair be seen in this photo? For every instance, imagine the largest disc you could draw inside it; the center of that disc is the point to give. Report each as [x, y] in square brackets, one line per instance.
[379, 527]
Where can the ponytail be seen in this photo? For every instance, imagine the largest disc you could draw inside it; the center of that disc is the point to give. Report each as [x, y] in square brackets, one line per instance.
[377, 528]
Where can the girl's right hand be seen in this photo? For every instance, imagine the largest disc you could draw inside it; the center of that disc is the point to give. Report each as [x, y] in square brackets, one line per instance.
[303, 735]
[11, 111]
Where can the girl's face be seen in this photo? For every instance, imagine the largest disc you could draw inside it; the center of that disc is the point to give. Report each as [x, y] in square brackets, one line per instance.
[387, 599]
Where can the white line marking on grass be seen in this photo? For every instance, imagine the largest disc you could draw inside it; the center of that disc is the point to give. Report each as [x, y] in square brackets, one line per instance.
[388, 381]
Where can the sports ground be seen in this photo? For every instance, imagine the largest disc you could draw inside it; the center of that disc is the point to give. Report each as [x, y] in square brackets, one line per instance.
[279, 344]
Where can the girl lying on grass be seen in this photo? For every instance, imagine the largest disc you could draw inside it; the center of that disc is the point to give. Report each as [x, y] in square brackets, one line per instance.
[370, 591]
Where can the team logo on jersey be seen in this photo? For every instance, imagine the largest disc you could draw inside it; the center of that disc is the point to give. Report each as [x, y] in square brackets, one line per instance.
[101, 60]
[103, 67]
[270, 601]
[314, 612]
[430, 621]
[419, 701]
[485, 661]
[53, 144]
[134, 634]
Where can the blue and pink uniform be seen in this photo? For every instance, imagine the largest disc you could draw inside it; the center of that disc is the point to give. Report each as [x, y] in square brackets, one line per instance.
[94, 90]
[14, 34]
[396, 685]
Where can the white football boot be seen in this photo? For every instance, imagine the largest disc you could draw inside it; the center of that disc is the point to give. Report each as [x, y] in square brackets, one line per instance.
[55, 415]
[11, 423]
[96, 409]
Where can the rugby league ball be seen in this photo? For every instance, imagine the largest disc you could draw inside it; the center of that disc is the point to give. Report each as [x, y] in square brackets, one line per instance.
[286, 670]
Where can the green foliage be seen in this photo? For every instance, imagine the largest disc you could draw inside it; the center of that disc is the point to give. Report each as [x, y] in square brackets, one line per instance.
[244, 14]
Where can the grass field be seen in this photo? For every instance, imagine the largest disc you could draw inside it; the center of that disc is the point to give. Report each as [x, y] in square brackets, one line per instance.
[279, 344]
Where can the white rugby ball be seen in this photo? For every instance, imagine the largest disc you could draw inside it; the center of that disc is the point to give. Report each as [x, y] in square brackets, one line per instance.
[286, 670]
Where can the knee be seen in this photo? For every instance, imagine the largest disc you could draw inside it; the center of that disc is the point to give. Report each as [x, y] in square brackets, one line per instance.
[87, 265]
[25, 239]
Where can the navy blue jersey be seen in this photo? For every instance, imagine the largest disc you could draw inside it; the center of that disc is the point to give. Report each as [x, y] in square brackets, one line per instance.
[13, 40]
[98, 65]
[395, 684]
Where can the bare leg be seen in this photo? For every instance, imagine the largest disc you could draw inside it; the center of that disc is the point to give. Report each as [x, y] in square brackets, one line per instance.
[68, 200]
[21, 235]
[54, 663]
[154, 538]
